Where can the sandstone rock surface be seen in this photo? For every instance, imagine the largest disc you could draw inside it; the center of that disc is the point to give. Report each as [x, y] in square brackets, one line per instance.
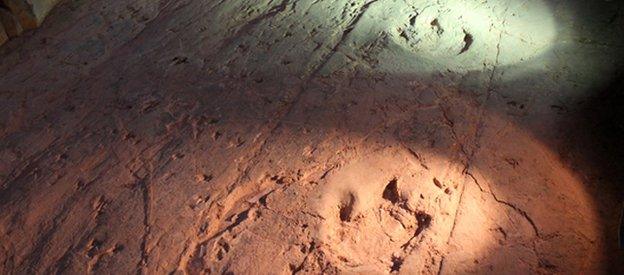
[3, 35]
[10, 22]
[311, 136]
[19, 15]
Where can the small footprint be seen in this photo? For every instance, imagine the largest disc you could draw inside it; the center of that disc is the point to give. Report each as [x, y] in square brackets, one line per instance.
[346, 208]
[391, 192]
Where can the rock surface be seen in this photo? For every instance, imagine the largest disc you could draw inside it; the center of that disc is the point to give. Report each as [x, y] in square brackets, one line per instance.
[10, 23]
[19, 15]
[312, 136]
[4, 36]
[30, 13]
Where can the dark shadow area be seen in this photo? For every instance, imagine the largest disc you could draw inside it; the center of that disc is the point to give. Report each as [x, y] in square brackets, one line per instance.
[595, 125]
[597, 134]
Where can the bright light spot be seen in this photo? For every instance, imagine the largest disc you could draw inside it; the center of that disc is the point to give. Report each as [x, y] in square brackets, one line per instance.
[457, 35]
[468, 35]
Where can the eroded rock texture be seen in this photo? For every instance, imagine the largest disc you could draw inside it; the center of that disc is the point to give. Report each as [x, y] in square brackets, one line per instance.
[310, 136]
[19, 15]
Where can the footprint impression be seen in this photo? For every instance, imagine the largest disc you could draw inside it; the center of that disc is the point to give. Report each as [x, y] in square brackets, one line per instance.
[377, 210]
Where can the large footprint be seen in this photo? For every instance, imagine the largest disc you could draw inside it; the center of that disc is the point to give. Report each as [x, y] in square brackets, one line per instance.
[377, 209]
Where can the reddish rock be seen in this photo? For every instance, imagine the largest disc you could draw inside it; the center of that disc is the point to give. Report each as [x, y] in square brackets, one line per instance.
[11, 23]
[32, 12]
[3, 35]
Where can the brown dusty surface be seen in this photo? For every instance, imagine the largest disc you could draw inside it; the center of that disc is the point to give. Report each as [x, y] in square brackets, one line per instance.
[307, 136]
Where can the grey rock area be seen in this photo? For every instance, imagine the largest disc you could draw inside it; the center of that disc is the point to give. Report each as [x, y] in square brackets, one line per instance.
[313, 136]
